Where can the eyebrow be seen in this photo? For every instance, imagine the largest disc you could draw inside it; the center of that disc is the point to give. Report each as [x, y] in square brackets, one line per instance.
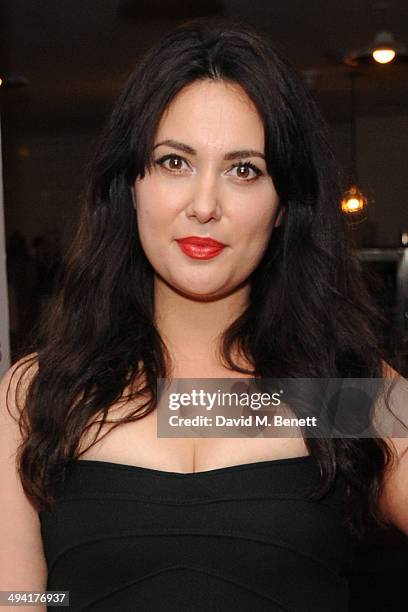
[180, 146]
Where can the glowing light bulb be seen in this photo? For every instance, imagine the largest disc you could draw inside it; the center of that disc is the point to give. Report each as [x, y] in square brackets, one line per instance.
[353, 201]
[353, 204]
[383, 56]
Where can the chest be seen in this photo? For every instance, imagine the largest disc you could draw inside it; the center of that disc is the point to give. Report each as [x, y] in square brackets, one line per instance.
[137, 443]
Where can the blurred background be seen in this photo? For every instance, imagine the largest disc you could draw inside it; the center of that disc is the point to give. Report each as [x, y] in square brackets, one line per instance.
[63, 63]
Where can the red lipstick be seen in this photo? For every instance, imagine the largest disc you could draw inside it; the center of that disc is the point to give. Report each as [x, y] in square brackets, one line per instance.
[200, 247]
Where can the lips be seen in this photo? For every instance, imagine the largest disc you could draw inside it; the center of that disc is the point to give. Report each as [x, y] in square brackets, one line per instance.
[200, 247]
[204, 241]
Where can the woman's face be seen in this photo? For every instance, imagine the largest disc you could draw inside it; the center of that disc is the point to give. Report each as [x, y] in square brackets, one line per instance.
[208, 179]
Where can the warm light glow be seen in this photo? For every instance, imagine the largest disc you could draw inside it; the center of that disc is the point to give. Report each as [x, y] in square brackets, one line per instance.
[353, 204]
[384, 56]
[1, 81]
[353, 201]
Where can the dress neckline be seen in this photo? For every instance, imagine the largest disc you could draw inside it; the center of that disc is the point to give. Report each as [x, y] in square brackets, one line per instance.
[165, 473]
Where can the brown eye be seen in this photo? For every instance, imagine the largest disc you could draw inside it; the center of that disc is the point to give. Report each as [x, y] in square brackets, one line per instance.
[247, 171]
[243, 171]
[174, 163]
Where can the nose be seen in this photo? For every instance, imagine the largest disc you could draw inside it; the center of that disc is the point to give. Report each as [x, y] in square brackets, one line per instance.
[205, 203]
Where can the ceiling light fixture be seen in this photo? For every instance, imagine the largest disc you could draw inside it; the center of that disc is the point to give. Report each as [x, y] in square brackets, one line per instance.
[384, 49]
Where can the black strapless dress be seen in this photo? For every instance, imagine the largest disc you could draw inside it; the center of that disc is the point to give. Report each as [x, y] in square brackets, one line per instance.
[125, 538]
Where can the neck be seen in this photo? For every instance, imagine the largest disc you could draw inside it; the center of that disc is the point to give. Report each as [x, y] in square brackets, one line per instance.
[192, 328]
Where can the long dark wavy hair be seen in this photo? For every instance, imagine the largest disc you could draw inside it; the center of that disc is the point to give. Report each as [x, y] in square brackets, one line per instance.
[310, 313]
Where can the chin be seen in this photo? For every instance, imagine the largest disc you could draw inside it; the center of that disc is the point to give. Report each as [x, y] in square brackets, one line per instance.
[201, 293]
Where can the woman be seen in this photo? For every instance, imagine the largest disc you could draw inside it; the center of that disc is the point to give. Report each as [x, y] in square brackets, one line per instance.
[211, 245]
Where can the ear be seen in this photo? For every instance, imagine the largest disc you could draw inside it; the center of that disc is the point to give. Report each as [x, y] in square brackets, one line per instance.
[279, 216]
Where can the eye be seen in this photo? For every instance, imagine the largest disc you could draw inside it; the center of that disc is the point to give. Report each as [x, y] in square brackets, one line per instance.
[172, 162]
[244, 170]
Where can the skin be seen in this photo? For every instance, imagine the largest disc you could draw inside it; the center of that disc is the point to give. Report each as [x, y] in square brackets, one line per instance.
[203, 194]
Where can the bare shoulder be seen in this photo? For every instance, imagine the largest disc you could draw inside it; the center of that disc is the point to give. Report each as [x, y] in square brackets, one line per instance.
[14, 384]
[21, 554]
[394, 498]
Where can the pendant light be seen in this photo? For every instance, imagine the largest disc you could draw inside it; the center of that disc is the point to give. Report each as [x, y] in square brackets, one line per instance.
[384, 49]
[353, 202]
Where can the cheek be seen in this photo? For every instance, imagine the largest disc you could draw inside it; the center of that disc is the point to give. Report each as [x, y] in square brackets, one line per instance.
[150, 205]
[257, 224]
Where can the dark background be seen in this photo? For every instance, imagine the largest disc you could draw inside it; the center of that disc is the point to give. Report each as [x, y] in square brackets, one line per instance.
[63, 64]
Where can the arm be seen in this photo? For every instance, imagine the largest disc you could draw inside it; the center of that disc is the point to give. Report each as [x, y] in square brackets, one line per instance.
[22, 561]
[394, 498]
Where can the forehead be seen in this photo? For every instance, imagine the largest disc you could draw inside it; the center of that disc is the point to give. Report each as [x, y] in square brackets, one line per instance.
[217, 113]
